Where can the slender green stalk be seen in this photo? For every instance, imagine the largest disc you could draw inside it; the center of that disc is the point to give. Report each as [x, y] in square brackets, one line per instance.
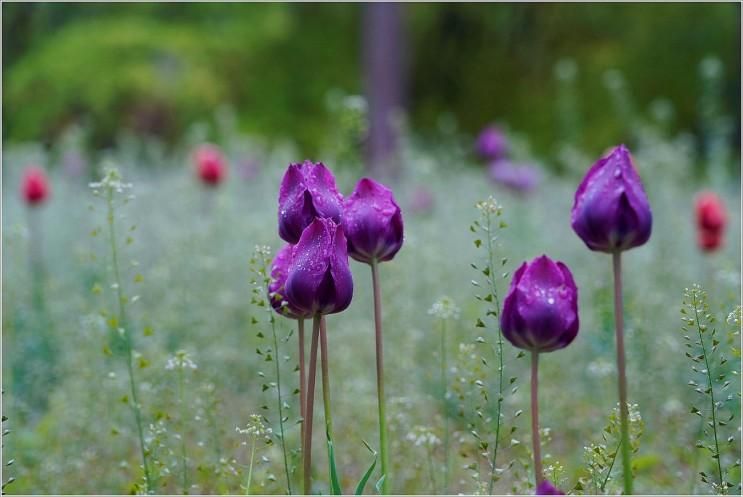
[280, 402]
[250, 468]
[431, 470]
[326, 383]
[310, 407]
[536, 444]
[122, 324]
[383, 448]
[710, 388]
[621, 369]
[494, 292]
[611, 466]
[442, 355]
[181, 404]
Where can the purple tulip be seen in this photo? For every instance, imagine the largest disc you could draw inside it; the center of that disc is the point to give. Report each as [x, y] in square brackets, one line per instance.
[519, 177]
[611, 212]
[372, 222]
[276, 290]
[540, 311]
[319, 278]
[307, 191]
[547, 488]
[491, 143]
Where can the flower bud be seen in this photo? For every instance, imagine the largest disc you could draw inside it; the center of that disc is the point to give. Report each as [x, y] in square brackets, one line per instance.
[307, 191]
[611, 212]
[540, 311]
[372, 222]
[491, 143]
[711, 221]
[210, 165]
[276, 287]
[34, 186]
[319, 279]
[547, 488]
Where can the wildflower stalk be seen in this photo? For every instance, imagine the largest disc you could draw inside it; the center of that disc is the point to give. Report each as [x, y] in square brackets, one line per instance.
[309, 408]
[124, 330]
[250, 467]
[326, 388]
[280, 401]
[182, 404]
[302, 379]
[383, 448]
[443, 368]
[494, 293]
[709, 387]
[536, 444]
[621, 370]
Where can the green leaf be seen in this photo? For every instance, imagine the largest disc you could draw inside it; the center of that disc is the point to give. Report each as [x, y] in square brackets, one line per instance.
[335, 487]
[378, 485]
[364, 479]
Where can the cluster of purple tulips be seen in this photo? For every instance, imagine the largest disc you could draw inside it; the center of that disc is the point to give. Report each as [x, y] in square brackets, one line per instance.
[311, 278]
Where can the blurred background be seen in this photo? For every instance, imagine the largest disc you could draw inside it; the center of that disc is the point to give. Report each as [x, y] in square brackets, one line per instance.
[579, 72]
[401, 92]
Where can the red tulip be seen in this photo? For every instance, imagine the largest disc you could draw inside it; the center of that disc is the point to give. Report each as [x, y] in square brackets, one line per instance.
[711, 220]
[210, 165]
[35, 186]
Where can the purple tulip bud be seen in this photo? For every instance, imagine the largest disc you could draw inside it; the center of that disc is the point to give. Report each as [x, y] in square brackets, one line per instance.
[547, 488]
[372, 222]
[319, 278]
[521, 178]
[276, 290]
[541, 309]
[307, 191]
[491, 143]
[611, 212]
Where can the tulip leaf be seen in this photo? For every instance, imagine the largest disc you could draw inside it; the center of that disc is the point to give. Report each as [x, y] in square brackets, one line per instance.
[378, 485]
[369, 471]
[335, 486]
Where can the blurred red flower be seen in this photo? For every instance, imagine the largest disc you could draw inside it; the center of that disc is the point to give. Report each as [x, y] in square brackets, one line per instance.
[711, 219]
[211, 166]
[35, 186]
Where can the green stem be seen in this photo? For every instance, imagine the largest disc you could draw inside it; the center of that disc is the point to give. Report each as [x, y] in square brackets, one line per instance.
[309, 408]
[711, 390]
[621, 369]
[443, 403]
[127, 338]
[250, 468]
[611, 466]
[494, 292]
[184, 464]
[326, 384]
[536, 444]
[432, 471]
[380, 377]
[280, 403]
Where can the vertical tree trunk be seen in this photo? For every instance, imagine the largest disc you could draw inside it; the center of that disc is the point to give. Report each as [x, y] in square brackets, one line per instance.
[383, 62]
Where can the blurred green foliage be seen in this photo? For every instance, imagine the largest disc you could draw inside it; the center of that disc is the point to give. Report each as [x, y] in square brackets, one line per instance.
[156, 68]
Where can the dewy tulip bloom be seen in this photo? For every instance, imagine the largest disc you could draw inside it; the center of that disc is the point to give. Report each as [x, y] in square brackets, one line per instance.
[611, 212]
[276, 287]
[711, 221]
[307, 192]
[372, 222]
[210, 165]
[34, 186]
[491, 144]
[540, 311]
[319, 278]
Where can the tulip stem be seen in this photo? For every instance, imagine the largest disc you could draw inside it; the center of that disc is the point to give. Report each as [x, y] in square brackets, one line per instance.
[309, 408]
[621, 370]
[380, 378]
[302, 382]
[536, 444]
[326, 385]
